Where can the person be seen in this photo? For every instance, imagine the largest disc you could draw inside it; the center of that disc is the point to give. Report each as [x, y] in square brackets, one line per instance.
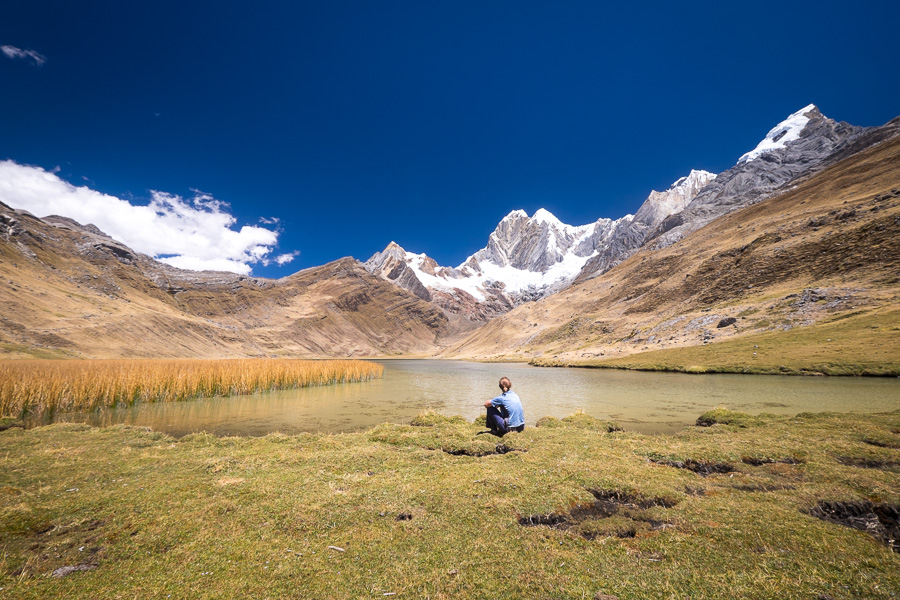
[504, 412]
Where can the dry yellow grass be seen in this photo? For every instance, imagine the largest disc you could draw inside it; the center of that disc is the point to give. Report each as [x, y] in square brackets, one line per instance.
[36, 387]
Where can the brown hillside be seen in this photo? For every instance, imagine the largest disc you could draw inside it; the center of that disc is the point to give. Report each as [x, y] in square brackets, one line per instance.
[827, 249]
[68, 290]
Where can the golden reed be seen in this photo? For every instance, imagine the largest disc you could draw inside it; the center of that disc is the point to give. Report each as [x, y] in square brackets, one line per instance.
[39, 387]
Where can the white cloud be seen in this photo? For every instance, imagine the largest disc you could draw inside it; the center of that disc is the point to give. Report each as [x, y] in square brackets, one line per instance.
[269, 221]
[13, 52]
[283, 259]
[193, 233]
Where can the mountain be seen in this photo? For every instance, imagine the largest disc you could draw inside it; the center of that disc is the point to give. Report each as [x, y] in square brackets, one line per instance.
[70, 290]
[803, 230]
[804, 143]
[528, 258]
[821, 256]
[656, 209]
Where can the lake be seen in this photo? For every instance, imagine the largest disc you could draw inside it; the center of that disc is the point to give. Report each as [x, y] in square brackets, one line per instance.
[646, 402]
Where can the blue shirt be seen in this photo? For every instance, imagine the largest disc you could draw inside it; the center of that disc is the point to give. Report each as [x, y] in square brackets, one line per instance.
[510, 401]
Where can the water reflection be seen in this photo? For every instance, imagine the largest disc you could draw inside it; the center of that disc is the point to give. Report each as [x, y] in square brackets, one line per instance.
[646, 402]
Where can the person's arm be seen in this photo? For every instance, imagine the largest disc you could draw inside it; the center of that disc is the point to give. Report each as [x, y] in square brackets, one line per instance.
[489, 403]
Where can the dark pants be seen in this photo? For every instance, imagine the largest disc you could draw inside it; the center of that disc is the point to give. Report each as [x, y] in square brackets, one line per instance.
[496, 422]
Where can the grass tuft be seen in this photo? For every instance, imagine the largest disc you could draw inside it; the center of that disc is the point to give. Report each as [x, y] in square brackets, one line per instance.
[722, 416]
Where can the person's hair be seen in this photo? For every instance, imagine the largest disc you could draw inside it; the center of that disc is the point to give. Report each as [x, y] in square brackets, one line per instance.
[505, 384]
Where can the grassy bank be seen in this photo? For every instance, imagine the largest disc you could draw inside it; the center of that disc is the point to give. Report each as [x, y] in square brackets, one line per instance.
[568, 509]
[866, 344]
[36, 387]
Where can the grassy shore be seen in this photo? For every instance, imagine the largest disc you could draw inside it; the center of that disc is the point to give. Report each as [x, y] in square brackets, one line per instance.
[569, 509]
[39, 387]
[867, 344]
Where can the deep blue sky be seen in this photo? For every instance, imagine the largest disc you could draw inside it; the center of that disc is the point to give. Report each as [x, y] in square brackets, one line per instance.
[358, 123]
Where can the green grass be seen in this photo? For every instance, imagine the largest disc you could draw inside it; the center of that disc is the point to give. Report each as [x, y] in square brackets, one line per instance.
[208, 517]
[859, 344]
[34, 352]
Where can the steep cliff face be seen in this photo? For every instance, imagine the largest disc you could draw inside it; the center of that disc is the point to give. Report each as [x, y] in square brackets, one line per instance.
[537, 244]
[528, 258]
[804, 143]
[658, 207]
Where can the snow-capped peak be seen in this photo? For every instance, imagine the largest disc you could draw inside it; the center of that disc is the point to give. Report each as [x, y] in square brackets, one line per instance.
[545, 216]
[693, 178]
[515, 214]
[787, 131]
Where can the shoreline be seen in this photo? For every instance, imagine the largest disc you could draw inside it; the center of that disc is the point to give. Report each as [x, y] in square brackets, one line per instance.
[812, 371]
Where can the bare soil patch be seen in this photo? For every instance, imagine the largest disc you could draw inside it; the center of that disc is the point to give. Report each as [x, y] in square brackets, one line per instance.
[880, 520]
[701, 467]
[614, 513]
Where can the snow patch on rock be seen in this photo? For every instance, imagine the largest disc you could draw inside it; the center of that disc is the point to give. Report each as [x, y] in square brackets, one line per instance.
[787, 131]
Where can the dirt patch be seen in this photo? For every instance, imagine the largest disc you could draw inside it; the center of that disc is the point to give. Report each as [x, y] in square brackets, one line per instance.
[882, 442]
[9, 423]
[757, 461]
[478, 452]
[880, 520]
[867, 463]
[620, 498]
[613, 514]
[701, 467]
[764, 487]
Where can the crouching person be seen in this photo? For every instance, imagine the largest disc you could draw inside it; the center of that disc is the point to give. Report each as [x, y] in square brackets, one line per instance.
[504, 412]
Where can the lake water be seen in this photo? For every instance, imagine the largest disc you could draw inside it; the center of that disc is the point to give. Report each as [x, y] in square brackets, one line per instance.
[639, 401]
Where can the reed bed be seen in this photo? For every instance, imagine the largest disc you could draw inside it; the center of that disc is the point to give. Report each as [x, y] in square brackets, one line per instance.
[43, 387]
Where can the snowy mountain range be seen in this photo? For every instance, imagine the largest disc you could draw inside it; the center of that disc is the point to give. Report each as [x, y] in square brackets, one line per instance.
[527, 258]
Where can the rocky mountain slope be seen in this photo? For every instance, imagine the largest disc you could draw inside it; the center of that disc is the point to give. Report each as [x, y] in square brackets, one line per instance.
[526, 259]
[826, 249]
[803, 144]
[70, 290]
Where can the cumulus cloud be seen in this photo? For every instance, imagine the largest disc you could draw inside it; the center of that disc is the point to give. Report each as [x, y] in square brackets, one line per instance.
[195, 233]
[283, 259]
[13, 52]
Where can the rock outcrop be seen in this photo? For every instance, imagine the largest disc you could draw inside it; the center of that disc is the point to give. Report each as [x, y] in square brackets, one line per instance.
[658, 207]
[805, 143]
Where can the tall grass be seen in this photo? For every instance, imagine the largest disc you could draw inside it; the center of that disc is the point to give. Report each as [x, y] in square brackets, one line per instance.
[41, 387]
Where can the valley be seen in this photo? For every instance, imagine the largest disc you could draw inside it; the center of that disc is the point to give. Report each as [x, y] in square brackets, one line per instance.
[797, 240]
[825, 251]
